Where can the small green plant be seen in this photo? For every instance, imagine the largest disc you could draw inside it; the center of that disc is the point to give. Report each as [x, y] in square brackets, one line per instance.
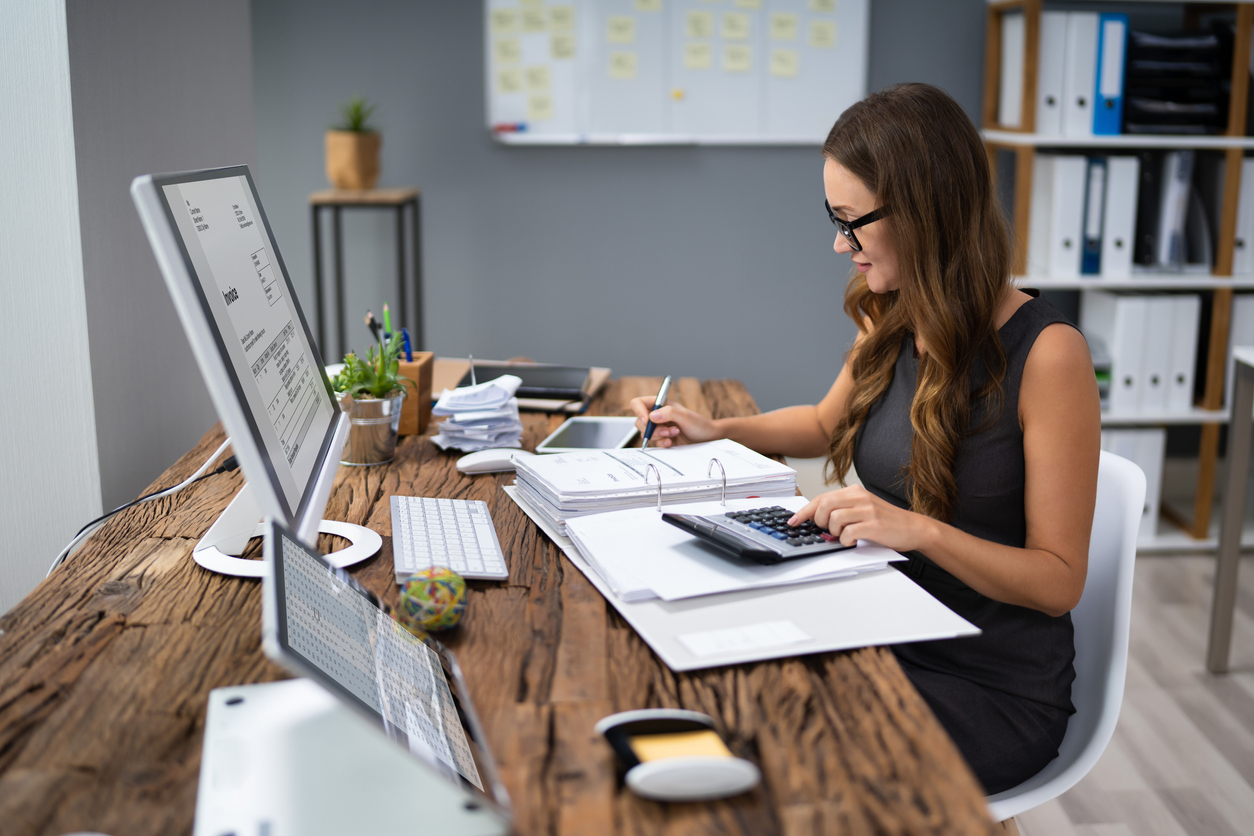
[355, 115]
[375, 377]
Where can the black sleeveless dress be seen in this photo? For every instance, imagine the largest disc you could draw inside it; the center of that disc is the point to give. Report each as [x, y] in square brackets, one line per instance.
[1004, 696]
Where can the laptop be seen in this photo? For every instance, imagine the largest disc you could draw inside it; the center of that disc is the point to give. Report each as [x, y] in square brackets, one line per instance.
[380, 735]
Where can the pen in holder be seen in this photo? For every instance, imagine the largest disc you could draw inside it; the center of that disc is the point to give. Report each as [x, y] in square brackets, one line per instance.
[653, 468]
[710, 472]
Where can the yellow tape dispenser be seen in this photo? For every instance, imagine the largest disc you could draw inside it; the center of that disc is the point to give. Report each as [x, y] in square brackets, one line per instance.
[669, 754]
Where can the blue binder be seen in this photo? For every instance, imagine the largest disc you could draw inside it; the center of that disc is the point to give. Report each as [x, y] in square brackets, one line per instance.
[1112, 48]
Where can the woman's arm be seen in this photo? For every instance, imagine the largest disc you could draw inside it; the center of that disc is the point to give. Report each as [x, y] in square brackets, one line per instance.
[801, 431]
[1060, 415]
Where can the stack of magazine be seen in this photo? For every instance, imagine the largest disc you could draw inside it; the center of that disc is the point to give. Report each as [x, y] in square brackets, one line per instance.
[569, 485]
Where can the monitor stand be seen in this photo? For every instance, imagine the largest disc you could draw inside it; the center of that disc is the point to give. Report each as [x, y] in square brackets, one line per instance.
[287, 757]
[219, 550]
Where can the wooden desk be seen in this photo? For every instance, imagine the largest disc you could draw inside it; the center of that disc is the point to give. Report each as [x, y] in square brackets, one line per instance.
[106, 667]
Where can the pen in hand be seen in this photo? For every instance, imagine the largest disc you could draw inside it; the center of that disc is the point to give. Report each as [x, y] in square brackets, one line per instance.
[658, 403]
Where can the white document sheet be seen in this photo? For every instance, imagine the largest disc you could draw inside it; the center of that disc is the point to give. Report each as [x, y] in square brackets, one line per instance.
[643, 557]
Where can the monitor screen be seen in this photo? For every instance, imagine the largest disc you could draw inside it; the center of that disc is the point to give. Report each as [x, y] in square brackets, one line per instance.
[264, 342]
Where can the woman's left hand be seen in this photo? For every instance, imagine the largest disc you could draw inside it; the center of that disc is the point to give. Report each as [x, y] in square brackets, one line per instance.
[854, 514]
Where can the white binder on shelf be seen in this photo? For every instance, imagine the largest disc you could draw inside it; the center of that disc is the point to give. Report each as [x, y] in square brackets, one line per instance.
[1067, 215]
[1240, 332]
[1049, 76]
[1119, 322]
[1184, 333]
[1156, 357]
[1145, 448]
[1040, 215]
[1094, 216]
[1080, 74]
[1243, 257]
[1119, 226]
[1010, 94]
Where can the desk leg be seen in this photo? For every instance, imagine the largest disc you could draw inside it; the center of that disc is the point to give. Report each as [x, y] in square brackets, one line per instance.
[403, 310]
[339, 282]
[1228, 562]
[317, 278]
[416, 331]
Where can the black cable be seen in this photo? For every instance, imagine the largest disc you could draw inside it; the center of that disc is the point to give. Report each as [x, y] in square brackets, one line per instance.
[227, 466]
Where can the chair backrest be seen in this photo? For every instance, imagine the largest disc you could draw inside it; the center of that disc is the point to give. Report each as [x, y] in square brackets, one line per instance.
[1101, 619]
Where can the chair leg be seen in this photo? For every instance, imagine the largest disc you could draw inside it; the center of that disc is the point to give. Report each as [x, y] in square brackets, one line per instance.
[1009, 826]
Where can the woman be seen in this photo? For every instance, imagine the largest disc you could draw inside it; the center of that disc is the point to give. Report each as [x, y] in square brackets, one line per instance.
[970, 412]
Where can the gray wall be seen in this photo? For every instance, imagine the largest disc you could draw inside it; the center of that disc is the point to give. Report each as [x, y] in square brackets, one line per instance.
[49, 482]
[713, 262]
[156, 86]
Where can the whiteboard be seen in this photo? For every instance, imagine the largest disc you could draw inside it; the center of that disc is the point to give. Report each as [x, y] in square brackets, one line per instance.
[672, 71]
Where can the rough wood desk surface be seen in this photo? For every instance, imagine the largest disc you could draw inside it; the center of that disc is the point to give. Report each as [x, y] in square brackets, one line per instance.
[105, 669]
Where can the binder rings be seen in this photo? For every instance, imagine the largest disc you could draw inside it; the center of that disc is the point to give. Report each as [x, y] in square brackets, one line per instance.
[1184, 333]
[1119, 224]
[1049, 76]
[1111, 47]
[1080, 73]
[1067, 215]
[1094, 214]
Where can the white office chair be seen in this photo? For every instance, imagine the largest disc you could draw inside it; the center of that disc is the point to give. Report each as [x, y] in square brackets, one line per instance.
[1101, 622]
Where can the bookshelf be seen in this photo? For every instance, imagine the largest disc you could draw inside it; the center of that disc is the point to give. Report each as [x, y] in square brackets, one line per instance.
[1022, 143]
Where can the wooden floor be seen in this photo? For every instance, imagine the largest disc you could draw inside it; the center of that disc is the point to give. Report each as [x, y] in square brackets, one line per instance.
[1182, 758]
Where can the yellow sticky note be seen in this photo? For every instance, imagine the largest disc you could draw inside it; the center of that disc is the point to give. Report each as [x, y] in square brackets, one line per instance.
[539, 107]
[531, 4]
[508, 50]
[783, 26]
[711, 1]
[657, 747]
[562, 18]
[735, 26]
[504, 21]
[823, 34]
[747, 4]
[533, 20]
[784, 63]
[509, 81]
[621, 29]
[537, 77]
[822, 5]
[648, 5]
[698, 56]
[622, 65]
[563, 47]
[699, 25]
[737, 58]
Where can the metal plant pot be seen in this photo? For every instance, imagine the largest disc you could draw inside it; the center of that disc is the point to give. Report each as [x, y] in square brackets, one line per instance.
[372, 437]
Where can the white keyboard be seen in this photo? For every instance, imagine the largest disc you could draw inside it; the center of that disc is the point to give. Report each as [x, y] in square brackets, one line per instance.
[457, 533]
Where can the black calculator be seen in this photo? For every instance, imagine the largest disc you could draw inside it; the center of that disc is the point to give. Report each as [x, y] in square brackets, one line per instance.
[759, 534]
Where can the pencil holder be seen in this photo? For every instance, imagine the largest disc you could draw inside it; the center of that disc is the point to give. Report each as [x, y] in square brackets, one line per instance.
[416, 411]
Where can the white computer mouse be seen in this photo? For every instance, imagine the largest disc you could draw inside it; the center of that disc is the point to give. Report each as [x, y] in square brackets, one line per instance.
[499, 460]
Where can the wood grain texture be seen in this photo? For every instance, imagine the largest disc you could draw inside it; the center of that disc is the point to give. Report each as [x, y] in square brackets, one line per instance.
[105, 669]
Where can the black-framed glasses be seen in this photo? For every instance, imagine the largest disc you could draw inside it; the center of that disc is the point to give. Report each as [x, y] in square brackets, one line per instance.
[847, 227]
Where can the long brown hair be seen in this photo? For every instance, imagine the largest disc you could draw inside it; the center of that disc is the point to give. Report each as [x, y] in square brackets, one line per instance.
[915, 149]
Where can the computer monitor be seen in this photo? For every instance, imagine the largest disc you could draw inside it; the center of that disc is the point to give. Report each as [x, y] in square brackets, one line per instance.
[259, 360]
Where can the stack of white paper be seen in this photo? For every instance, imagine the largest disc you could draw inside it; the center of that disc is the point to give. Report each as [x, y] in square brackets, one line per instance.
[481, 416]
[569, 485]
[641, 557]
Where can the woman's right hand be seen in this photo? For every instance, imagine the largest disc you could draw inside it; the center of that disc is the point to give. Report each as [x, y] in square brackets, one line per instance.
[673, 424]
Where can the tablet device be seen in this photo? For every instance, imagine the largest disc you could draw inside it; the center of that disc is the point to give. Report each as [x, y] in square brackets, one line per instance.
[538, 381]
[590, 432]
[320, 623]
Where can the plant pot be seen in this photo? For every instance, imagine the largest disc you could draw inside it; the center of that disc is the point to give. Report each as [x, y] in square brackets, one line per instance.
[353, 159]
[372, 436]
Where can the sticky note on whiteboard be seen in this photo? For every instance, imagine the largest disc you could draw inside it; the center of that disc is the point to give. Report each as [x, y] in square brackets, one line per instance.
[735, 26]
[823, 34]
[533, 20]
[621, 29]
[507, 51]
[747, 4]
[509, 81]
[504, 21]
[784, 63]
[563, 47]
[747, 637]
[783, 26]
[737, 58]
[539, 107]
[562, 18]
[822, 5]
[622, 65]
[698, 56]
[648, 5]
[699, 25]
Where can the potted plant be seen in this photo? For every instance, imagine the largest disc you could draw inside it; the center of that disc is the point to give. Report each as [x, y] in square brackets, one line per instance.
[353, 148]
[372, 391]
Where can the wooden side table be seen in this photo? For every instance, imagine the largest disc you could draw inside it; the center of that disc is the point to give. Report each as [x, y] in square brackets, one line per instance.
[394, 199]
